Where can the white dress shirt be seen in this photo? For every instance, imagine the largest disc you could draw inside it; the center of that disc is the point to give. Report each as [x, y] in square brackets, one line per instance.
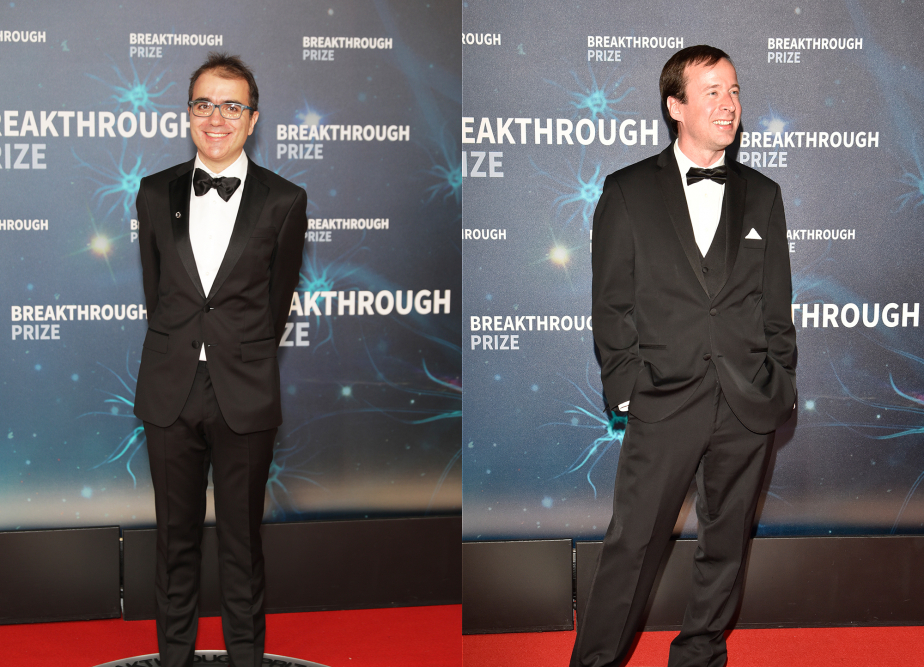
[211, 221]
[704, 200]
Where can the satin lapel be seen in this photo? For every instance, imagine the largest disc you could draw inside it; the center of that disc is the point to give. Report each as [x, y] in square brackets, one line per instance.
[735, 192]
[676, 203]
[179, 208]
[252, 200]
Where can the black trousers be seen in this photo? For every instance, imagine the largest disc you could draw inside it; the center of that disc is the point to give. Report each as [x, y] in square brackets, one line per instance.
[703, 440]
[180, 456]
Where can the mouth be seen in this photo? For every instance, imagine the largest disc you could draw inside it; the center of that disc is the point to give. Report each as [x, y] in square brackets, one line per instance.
[217, 135]
[722, 123]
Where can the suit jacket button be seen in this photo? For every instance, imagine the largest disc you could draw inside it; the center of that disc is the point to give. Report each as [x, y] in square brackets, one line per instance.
[707, 357]
[205, 309]
[195, 344]
[713, 312]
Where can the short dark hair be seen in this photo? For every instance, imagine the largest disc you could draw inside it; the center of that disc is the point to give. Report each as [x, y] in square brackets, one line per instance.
[673, 81]
[227, 67]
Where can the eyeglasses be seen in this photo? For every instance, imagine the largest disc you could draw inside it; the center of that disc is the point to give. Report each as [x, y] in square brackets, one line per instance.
[229, 110]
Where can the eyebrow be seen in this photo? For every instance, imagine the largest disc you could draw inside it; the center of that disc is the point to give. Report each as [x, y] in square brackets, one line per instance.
[205, 99]
[715, 85]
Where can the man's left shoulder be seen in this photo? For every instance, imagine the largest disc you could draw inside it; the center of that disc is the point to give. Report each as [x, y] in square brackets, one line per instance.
[753, 177]
[276, 183]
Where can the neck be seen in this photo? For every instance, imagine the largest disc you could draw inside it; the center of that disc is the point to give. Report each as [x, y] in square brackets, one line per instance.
[698, 156]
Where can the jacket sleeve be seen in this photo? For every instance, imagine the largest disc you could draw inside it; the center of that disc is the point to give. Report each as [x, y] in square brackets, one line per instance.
[150, 255]
[613, 293]
[287, 261]
[777, 293]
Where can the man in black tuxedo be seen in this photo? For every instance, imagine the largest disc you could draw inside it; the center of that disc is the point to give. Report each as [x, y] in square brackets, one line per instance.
[221, 245]
[692, 318]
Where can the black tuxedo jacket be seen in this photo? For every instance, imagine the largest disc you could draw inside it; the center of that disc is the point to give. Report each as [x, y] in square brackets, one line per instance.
[654, 323]
[241, 320]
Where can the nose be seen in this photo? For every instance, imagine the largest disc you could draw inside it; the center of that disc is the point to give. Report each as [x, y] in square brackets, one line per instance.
[729, 102]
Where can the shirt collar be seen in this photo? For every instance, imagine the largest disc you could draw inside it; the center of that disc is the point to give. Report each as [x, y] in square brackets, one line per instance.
[237, 169]
[686, 163]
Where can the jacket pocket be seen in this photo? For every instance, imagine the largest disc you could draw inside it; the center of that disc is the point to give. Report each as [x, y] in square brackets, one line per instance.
[647, 346]
[758, 350]
[754, 243]
[258, 349]
[156, 341]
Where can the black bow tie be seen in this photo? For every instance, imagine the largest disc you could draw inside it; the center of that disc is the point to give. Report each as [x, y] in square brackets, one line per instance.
[224, 186]
[695, 175]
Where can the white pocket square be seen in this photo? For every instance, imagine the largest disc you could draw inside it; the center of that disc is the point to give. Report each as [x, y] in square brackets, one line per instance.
[753, 235]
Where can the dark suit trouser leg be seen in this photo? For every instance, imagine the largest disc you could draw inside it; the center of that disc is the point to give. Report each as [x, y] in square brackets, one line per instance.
[180, 456]
[656, 465]
[728, 482]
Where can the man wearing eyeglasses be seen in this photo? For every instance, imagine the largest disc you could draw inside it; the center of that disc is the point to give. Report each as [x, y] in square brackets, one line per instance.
[221, 245]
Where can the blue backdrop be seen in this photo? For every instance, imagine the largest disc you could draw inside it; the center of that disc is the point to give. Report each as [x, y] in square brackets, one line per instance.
[360, 104]
[558, 95]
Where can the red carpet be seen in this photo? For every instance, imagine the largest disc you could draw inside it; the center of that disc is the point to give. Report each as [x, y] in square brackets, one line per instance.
[402, 637]
[801, 647]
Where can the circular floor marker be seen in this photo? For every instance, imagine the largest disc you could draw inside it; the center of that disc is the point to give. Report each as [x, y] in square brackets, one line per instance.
[207, 658]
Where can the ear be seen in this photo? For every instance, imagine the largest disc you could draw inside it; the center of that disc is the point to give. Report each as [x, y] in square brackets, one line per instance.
[253, 121]
[675, 109]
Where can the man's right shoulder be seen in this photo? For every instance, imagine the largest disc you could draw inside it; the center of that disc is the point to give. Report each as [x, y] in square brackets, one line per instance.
[639, 172]
[164, 176]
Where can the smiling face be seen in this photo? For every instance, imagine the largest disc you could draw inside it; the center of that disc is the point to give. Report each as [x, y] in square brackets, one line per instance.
[708, 121]
[219, 140]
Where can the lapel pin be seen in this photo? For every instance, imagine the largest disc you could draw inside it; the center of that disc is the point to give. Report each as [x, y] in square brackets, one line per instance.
[178, 214]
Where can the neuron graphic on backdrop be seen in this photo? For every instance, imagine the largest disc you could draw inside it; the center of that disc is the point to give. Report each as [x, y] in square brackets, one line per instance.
[318, 275]
[594, 100]
[290, 465]
[447, 170]
[140, 94]
[590, 414]
[913, 179]
[445, 398]
[121, 407]
[576, 195]
[120, 181]
[902, 401]
[445, 393]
